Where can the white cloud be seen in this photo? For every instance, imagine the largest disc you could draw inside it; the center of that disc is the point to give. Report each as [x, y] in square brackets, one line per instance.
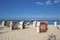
[39, 3]
[48, 2]
[56, 1]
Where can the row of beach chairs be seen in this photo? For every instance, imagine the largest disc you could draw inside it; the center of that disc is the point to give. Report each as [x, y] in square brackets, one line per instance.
[40, 26]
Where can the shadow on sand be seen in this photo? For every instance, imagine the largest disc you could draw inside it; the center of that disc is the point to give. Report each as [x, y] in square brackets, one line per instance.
[58, 28]
[4, 32]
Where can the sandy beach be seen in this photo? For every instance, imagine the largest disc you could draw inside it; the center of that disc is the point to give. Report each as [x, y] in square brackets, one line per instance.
[29, 33]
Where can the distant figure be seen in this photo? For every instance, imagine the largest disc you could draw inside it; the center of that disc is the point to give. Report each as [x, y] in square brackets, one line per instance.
[55, 24]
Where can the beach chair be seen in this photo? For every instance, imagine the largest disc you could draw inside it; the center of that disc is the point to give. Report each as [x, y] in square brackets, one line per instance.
[3, 23]
[37, 28]
[10, 25]
[43, 26]
[22, 25]
[34, 23]
[14, 26]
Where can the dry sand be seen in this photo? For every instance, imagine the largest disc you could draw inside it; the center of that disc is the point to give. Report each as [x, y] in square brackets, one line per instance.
[29, 33]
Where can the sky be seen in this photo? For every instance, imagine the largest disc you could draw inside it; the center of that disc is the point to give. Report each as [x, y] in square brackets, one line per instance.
[18, 9]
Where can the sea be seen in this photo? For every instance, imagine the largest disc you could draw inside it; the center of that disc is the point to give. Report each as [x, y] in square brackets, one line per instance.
[50, 22]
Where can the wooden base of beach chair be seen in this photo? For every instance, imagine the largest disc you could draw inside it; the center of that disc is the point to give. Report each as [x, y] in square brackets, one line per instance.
[23, 26]
[43, 29]
[15, 28]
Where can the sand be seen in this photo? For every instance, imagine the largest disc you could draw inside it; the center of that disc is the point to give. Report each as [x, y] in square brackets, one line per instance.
[29, 33]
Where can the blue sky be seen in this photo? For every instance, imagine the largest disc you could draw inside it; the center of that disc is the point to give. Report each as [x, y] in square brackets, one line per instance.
[10, 9]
